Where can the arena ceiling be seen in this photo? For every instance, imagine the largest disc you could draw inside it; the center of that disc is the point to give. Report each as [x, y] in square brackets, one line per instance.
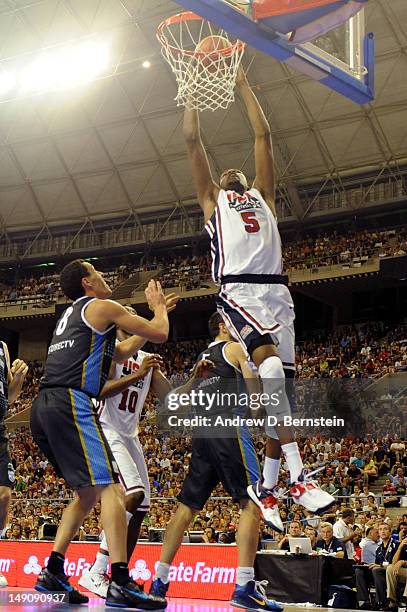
[115, 145]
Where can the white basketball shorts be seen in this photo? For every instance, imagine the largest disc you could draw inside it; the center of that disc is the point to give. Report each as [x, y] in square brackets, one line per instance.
[129, 457]
[254, 310]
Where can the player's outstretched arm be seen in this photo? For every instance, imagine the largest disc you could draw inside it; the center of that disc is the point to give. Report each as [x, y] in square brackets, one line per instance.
[131, 345]
[102, 313]
[155, 330]
[114, 386]
[264, 158]
[200, 370]
[160, 385]
[207, 189]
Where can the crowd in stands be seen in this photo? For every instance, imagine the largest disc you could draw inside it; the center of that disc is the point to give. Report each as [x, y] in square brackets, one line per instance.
[352, 468]
[186, 272]
[44, 290]
[355, 352]
[192, 272]
[362, 352]
[352, 465]
[30, 388]
[344, 248]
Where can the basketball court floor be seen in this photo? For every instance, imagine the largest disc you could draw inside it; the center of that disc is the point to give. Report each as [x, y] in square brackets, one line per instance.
[174, 605]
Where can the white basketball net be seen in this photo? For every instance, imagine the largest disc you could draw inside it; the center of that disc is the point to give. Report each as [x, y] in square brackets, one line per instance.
[206, 81]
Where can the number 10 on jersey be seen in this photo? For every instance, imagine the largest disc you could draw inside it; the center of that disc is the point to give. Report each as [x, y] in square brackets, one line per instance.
[129, 401]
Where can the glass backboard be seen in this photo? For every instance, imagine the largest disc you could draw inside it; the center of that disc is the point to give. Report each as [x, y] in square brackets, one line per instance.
[342, 59]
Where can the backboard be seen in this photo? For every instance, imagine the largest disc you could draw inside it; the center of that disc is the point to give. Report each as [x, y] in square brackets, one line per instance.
[342, 59]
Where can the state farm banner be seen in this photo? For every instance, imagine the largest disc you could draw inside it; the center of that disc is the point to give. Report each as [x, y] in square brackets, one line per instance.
[200, 571]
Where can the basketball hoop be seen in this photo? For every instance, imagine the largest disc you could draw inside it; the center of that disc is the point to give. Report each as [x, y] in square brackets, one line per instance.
[206, 76]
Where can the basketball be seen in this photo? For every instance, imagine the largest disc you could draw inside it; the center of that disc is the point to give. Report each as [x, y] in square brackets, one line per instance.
[212, 46]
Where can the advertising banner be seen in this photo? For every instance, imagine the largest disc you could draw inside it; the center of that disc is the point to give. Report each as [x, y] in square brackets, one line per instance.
[200, 571]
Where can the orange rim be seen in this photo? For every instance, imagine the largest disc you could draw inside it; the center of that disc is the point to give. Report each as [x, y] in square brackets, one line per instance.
[189, 16]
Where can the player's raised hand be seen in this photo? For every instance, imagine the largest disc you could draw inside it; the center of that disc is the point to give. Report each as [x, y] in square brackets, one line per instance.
[159, 362]
[171, 301]
[155, 295]
[202, 368]
[19, 369]
[151, 361]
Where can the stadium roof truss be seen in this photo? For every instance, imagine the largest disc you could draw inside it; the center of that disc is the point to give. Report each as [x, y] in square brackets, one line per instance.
[113, 148]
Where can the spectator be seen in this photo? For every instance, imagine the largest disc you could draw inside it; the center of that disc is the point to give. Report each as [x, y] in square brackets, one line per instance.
[294, 531]
[371, 504]
[375, 573]
[365, 494]
[210, 536]
[384, 465]
[370, 470]
[311, 533]
[369, 545]
[343, 531]
[329, 542]
[399, 480]
[397, 573]
[358, 460]
[355, 496]
[390, 499]
[398, 448]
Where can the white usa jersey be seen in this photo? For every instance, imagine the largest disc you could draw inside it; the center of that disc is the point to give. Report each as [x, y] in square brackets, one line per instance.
[121, 413]
[244, 236]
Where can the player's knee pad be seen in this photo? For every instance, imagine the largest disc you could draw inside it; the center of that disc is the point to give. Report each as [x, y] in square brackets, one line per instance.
[271, 367]
[271, 372]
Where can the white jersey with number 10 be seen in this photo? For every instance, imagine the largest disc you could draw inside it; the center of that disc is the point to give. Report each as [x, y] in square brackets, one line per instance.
[122, 412]
[244, 236]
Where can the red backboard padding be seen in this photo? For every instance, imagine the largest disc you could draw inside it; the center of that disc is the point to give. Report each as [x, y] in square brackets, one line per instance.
[271, 8]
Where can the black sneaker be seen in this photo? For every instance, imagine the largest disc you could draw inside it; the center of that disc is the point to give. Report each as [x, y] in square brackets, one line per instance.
[58, 583]
[159, 588]
[129, 595]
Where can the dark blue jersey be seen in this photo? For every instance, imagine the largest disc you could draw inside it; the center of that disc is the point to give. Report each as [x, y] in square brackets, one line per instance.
[224, 381]
[79, 356]
[216, 353]
[3, 383]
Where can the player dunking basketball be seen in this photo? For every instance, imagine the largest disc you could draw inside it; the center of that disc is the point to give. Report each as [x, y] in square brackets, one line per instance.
[254, 299]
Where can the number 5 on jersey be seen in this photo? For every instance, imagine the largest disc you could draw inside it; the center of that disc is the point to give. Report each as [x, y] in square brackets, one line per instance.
[250, 222]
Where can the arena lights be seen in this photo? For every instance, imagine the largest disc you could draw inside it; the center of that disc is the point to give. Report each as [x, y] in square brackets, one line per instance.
[7, 82]
[64, 68]
[58, 69]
